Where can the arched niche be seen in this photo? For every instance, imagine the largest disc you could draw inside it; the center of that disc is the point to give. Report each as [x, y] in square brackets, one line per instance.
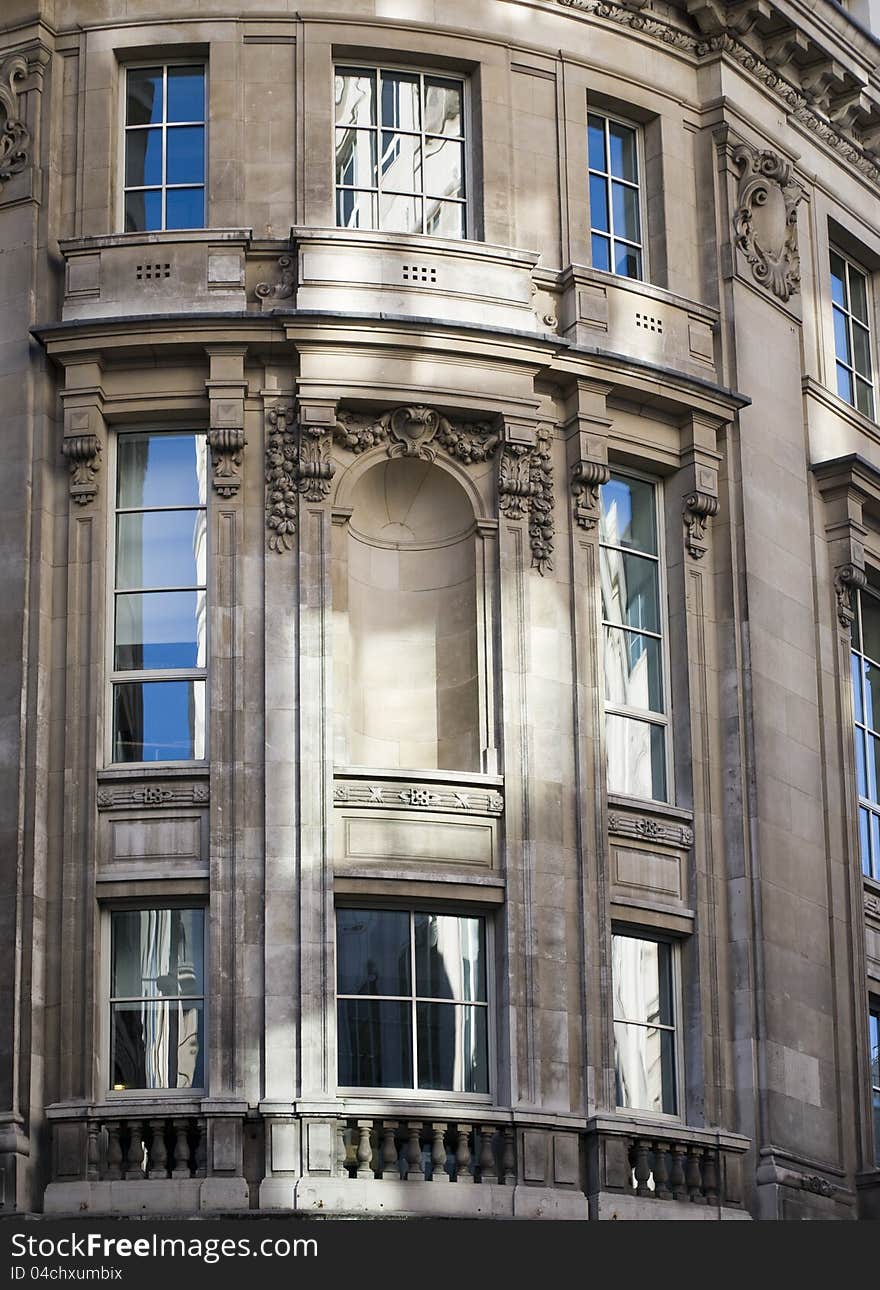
[407, 663]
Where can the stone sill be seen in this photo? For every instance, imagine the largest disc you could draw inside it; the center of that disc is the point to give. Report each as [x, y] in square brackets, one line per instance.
[610, 1205]
[673, 1130]
[423, 1199]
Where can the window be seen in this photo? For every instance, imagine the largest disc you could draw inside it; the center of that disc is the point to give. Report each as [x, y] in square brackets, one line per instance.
[157, 999]
[159, 612]
[400, 152]
[644, 1024]
[866, 710]
[852, 333]
[164, 147]
[412, 1002]
[636, 723]
[874, 1058]
[615, 199]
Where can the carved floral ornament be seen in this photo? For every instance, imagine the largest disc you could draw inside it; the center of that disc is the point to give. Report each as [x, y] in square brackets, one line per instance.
[765, 219]
[15, 139]
[298, 463]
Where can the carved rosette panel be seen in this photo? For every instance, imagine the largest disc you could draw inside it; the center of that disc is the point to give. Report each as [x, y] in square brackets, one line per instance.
[642, 826]
[83, 452]
[421, 796]
[168, 794]
[765, 219]
[281, 479]
[282, 289]
[15, 139]
[227, 443]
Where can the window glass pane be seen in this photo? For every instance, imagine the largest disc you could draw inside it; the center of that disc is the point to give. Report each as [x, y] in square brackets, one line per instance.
[442, 107]
[870, 607]
[185, 208]
[160, 549]
[645, 1066]
[452, 1047]
[861, 770]
[629, 589]
[159, 721]
[160, 630]
[186, 154]
[354, 209]
[400, 214]
[858, 295]
[596, 139]
[157, 1045]
[635, 756]
[400, 101]
[186, 94]
[143, 211]
[625, 202]
[374, 1040]
[444, 168]
[838, 279]
[642, 976]
[856, 666]
[871, 748]
[143, 158]
[875, 845]
[356, 157]
[598, 203]
[865, 840]
[144, 96]
[627, 261]
[449, 957]
[157, 953]
[355, 95]
[373, 951]
[841, 336]
[622, 147]
[601, 253]
[864, 398]
[401, 162]
[844, 384]
[161, 470]
[627, 514]
[872, 696]
[632, 670]
[444, 219]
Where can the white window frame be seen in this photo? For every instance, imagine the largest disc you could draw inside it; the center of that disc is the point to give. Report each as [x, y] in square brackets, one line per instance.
[416, 1094]
[422, 71]
[874, 1079]
[862, 729]
[114, 675]
[642, 246]
[634, 932]
[852, 265]
[164, 63]
[105, 1065]
[613, 709]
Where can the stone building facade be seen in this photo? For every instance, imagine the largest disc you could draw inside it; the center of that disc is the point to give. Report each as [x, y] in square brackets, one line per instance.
[440, 608]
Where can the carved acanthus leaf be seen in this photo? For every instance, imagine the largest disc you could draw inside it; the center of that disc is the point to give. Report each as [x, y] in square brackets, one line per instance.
[83, 451]
[15, 139]
[587, 477]
[227, 444]
[416, 431]
[525, 488]
[281, 480]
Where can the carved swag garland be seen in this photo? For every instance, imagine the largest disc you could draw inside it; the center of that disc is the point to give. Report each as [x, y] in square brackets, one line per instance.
[525, 471]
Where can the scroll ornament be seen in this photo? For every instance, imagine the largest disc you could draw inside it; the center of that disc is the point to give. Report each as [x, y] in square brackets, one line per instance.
[768, 240]
[15, 139]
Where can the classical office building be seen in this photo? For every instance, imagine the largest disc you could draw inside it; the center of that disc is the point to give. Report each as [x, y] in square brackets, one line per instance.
[440, 608]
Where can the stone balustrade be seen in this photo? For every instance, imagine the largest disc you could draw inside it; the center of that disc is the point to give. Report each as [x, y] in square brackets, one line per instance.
[133, 1149]
[425, 1151]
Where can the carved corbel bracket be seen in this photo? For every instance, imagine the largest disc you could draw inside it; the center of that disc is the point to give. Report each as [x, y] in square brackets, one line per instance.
[284, 288]
[698, 507]
[281, 478]
[226, 388]
[847, 578]
[15, 138]
[850, 489]
[525, 486]
[227, 444]
[314, 468]
[83, 452]
[587, 477]
[765, 218]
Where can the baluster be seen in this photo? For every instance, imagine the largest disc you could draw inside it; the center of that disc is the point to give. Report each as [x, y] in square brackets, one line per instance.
[641, 1168]
[710, 1177]
[693, 1174]
[341, 1150]
[415, 1171]
[661, 1171]
[351, 1160]
[390, 1167]
[364, 1150]
[200, 1155]
[92, 1151]
[487, 1155]
[463, 1155]
[158, 1158]
[438, 1154]
[134, 1161]
[181, 1149]
[508, 1158]
[676, 1172]
[114, 1150]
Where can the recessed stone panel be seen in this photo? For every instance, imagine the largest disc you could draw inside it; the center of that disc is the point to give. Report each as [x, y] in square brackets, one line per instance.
[177, 838]
[636, 871]
[397, 838]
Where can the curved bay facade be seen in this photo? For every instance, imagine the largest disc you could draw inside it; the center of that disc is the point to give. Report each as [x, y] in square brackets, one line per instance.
[441, 609]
